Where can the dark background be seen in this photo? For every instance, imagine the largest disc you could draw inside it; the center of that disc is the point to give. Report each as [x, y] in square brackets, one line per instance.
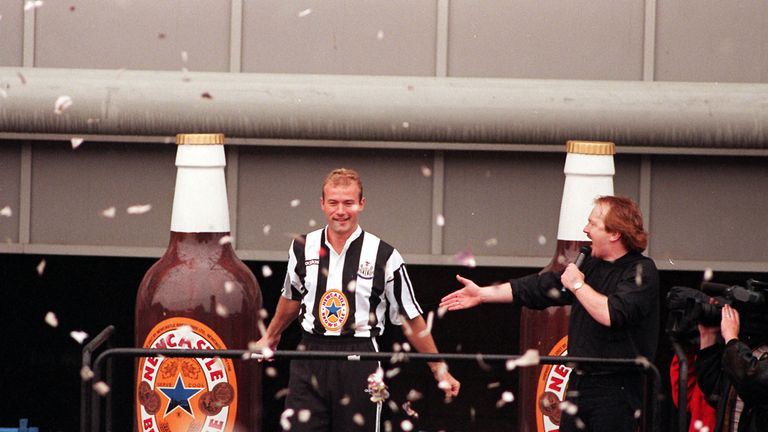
[41, 365]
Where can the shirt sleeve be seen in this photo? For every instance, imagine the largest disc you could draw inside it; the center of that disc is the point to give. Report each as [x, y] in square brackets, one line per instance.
[540, 291]
[748, 374]
[636, 294]
[293, 288]
[399, 290]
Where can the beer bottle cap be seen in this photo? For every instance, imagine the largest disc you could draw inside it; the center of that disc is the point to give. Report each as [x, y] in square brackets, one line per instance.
[205, 139]
[590, 147]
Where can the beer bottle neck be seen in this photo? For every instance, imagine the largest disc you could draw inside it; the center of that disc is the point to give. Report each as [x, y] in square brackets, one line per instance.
[586, 178]
[200, 199]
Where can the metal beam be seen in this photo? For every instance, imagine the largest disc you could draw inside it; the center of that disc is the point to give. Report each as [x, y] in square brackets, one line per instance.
[374, 108]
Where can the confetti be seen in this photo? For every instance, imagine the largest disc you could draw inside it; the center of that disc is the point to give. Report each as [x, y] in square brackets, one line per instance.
[6, 211]
[391, 373]
[161, 35]
[491, 242]
[305, 12]
[270, 372]
[51, 320]
[358, 419]
[62, 103]
[494, 385]
[76, 142]
[352, 285]
[312, 222]
[441, 311]
[708, 274]
[78, 335]
[428, 329]
[440, 220]
[41, 267]
[229, 286]
[184, 56]
[263, 314]
[542, 239]
[406, 425]
[465, 258]
[345, 400]
[426, 171]
[295, 202]
[408, 409]
[387, 426]
[139, 209]
[281, 393]
[101, 388]
[227, 239]
[284, 422]
[206, 95]
[380, 35]
[109, 212]
[639, 275]
[86, 373]
[266, 229]
[185, 332]
[507, 396]
[406, 125]
[22, 78]
[569, 407]
[222, 310]
[304, 415]
[638, 413]
[266, 271]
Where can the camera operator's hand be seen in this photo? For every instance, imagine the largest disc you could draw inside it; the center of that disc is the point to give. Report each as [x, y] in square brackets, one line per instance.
[729, 324]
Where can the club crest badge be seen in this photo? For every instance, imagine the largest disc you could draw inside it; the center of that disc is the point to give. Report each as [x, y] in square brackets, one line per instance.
[365, 270]
[333, 310]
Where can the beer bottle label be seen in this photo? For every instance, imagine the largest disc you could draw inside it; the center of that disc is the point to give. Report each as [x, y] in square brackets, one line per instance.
[553, 383]
[175, 394]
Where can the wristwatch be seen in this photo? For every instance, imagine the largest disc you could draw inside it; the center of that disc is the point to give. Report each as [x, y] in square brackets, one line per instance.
[577, 286]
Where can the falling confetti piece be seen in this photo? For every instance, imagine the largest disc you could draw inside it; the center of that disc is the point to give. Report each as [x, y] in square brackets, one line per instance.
[408, 409]
[295, 202]
[266, 271]
[86, 373]
[222, 310]
[161, 35]
[440, 221]
[312, 222]
[638, 413]
[206, 95]
[380, 35]
[406, 125]
[229, 286]
[101, 388]
[263, 314]
[352, 285]
[426, 171]
[491, 242]
[358, 419]
[494, 385]
[530, 358]
[76, 142]
[441, 311]
[428, 329]
[305, 12]
[266, 229]
[304, 415]
[639, 275]
[62, 103]
[271, 372]
[466, 258]
[78, 335]
[542, 240]
[284, 422]
[225, 240]
[670, 261]
[139, 209]
[507, 396]
[51, 320]
[3, 93]
[569, 407]
[6, 211]
[22, 78]
[41, 267]
[345, 400]
[708, 274]
[184, 56]
[406, 425]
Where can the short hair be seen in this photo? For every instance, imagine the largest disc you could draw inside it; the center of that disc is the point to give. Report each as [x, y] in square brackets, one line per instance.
[624, 217]
[343, 177]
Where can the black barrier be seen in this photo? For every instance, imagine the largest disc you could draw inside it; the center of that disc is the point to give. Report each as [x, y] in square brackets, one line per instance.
[646, 366]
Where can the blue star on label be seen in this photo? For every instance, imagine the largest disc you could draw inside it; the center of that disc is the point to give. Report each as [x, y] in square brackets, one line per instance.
[179, 396]
[333, 310]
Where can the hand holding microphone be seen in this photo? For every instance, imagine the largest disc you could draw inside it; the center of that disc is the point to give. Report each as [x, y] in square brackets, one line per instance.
[569, 273]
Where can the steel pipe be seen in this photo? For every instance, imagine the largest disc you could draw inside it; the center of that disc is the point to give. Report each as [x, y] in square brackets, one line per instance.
[378, 108]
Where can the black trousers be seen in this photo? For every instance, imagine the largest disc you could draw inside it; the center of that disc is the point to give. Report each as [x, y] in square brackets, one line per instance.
[332, 392]
[604, 403]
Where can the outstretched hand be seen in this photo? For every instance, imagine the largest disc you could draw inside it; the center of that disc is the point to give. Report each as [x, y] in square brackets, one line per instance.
[465, 298]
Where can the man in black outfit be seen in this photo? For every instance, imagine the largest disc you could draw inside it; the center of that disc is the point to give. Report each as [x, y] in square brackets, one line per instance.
[733, 376]
[615, 314]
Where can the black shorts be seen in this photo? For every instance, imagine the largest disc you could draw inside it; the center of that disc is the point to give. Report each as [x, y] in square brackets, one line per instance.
[330, 395]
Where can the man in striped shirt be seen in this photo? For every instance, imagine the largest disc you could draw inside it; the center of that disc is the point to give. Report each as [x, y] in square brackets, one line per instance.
[344, 284]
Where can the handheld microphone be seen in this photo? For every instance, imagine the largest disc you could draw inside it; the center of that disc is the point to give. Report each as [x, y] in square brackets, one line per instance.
[584, 252]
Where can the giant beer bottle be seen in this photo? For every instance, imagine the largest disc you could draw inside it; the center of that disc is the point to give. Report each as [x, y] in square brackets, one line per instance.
[588, 174]
[199, 295]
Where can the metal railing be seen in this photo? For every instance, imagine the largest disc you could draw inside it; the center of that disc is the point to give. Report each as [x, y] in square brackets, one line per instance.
[101, 369]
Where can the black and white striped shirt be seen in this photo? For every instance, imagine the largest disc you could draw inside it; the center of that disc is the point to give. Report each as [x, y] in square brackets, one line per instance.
[347, 294]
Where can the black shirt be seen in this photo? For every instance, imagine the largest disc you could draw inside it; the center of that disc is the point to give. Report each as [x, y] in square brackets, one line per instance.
[631, 284]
